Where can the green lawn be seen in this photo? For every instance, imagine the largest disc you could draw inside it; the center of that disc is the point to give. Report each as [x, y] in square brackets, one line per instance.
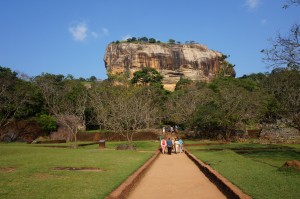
[257, 172]
[27, 171]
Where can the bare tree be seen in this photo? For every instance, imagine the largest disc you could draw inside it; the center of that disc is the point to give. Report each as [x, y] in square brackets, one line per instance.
[182, 105]
[66, 101]
[285, 51]
[124, 110]
[290, 3]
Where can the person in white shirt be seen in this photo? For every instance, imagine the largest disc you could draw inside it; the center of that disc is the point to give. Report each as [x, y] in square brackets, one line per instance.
[177, 145]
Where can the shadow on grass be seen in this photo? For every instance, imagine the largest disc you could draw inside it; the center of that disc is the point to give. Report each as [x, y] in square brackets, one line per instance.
[274, 158]
[271, 154]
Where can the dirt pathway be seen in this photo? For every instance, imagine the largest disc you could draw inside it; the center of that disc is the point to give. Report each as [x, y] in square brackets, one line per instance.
[175, 176]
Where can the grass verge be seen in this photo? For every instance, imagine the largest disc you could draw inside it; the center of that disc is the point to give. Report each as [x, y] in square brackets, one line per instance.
[257, 172]
[27, 171]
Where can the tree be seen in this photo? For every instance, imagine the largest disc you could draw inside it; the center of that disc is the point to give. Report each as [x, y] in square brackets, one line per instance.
[47, 122]
[283, 85]
[92, 78]
[183, 82]
[147, 76]
[69, 76]
[124, 110]
[183, 103]
[152, 40]
[143, 39]
[17, 97]
[171, 41]
[233, 106]
[65, 100]
[291, 2]
[285, 51]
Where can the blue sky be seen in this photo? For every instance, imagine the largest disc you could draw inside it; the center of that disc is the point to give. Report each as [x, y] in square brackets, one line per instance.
[70, 36]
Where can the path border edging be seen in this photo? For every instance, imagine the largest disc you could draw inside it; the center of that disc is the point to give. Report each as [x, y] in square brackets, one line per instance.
[122, 191]
[225, 186]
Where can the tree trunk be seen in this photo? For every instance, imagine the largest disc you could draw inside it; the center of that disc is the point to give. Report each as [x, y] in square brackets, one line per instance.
[75, 138]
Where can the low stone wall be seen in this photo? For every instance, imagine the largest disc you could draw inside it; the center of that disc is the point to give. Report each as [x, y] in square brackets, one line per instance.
[280, 135]
[142, 135]
[227, 188]
[124, 189]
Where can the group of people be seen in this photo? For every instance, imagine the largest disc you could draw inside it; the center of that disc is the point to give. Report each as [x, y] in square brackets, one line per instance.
[174, 144]
[171, 129]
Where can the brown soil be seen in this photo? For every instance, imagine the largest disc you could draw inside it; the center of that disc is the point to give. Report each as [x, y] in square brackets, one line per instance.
[292, 164]
[175, 176]
[7, 170]
[78, 169]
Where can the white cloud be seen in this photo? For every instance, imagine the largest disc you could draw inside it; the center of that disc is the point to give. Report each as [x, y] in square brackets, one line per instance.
[79, 31]
[105, 31]
[95, 35]
[251, 4]
[126, 37]
[264, 21]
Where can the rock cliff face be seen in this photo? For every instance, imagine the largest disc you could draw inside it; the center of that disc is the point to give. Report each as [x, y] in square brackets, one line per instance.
[193, 61]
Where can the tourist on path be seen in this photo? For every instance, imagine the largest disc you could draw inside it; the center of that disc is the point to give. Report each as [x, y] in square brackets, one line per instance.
[176, 145]
[180, 145]
[169, 145]
[163, 144]
[172, 129]
[173, 144]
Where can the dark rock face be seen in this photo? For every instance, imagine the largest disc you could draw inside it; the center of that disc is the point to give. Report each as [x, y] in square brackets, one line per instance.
[193, 61]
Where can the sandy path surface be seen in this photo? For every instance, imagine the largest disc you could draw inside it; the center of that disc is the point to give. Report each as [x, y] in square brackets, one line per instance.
[175, 176]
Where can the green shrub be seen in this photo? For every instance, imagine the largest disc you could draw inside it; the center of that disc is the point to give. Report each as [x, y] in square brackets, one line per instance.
[47, 122]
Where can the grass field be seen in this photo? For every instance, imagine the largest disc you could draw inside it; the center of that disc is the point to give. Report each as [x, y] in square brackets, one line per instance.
[27, 171]
[255, 168]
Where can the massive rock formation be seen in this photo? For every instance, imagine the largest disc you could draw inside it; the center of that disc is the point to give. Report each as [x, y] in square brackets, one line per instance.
[193, 61]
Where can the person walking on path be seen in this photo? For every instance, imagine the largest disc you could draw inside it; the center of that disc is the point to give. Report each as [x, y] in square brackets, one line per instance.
[180, 145]
[172, 129]
[170, 146]
[163, 145]
[176, 145]
[173, 144]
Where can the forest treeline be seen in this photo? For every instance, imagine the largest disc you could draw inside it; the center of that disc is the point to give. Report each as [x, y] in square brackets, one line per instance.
[224, 106]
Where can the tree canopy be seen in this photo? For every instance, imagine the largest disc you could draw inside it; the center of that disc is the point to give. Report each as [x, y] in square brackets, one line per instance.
[147, 76]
